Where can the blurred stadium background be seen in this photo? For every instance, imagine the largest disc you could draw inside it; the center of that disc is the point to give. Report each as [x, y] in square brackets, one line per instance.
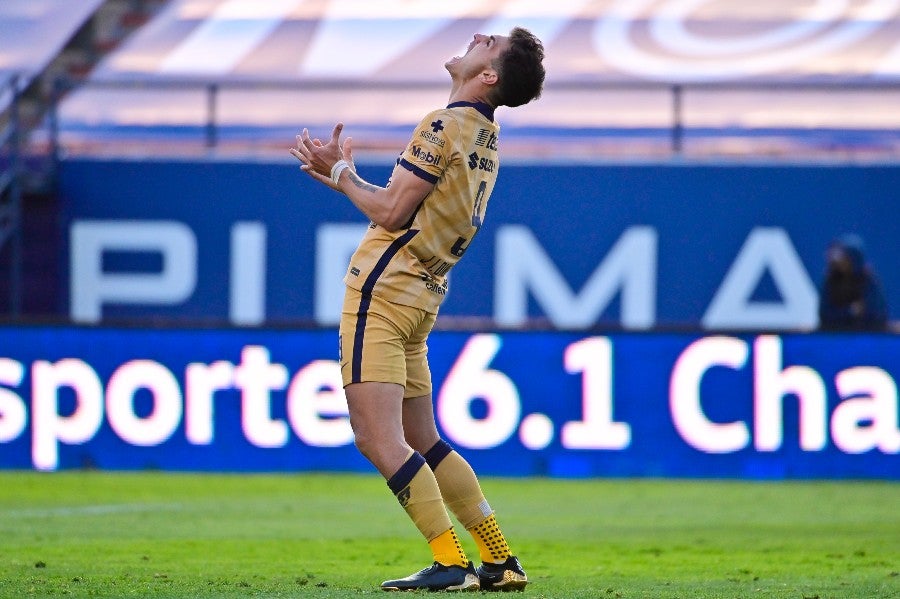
[668, 201]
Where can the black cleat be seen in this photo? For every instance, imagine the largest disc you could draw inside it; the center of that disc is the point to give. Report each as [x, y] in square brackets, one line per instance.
[508, 576]
[437, 577]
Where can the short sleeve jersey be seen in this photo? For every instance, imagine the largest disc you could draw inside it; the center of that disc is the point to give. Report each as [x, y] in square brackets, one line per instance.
[456, 149]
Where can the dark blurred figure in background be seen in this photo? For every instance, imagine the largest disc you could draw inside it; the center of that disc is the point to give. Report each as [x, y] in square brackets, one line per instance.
[851, 297]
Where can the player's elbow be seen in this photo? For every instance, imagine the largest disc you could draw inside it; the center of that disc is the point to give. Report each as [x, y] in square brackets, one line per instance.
[397, 210]
[393, 222]
[391, 226]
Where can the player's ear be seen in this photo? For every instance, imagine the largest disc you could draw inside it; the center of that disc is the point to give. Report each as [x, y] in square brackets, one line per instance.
[489, 76]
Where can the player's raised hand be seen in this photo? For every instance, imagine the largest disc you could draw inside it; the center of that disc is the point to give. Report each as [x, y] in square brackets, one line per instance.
[318, 158]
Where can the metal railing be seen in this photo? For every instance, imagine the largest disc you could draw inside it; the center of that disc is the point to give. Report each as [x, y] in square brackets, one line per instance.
[11, 191]
[676, 132]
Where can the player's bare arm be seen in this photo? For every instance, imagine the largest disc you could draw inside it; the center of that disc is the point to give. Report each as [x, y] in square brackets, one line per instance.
[389, 207]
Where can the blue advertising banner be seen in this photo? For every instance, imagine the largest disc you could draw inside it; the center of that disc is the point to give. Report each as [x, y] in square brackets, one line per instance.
[515, 403]
[636, 246]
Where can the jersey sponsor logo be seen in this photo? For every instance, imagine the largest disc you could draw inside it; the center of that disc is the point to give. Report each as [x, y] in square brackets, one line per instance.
[354, 271]
[425, 156]
[435, 288]
[432, 138]
[481, 163]
[486, 139]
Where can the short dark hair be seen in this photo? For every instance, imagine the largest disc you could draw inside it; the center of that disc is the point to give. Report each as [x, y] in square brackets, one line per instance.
[520, 69]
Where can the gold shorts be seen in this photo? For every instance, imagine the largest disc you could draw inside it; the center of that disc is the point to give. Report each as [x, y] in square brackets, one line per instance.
[384, 342]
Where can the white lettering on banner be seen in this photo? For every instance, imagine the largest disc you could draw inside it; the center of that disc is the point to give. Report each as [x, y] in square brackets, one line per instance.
[201, 381]
[593, 357]
[867, 419]
[522, 266]
[69, 402]
[471, 379]
[317, 406]
[857, 424]
[685, 402]
[91, 287]
[257, 377]
[315, 403]
[247, 283]
[771, 384]
[733, 308]
[13, 414]
[48, 426]
[522, 269]
[335, 244]
[161, 423]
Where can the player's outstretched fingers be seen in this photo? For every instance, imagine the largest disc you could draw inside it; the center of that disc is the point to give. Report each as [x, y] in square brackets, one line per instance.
[305, 141]
[301, 154]
[336, 134]
[347, 150]
[299, 147]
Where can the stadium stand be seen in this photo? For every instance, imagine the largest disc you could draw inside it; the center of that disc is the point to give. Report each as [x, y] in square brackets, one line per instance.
[642, 77]
[628, 79]
[43, 42]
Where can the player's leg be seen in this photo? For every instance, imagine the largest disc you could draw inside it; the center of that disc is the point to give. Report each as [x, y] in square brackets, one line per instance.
[375, 413]
[373, 364]
[375, 416]
[463, 495]
[500, 569]
[458, 483]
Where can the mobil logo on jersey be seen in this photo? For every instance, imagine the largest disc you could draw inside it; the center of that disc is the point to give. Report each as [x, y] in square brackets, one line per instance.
[425, 156]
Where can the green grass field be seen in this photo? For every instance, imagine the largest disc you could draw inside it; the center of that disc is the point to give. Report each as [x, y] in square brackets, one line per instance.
[90, 534]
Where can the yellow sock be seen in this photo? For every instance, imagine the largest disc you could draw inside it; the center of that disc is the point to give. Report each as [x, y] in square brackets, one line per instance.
[447, 549]
[459, 485]
[462, 493]
[417, 491]
[492, 546]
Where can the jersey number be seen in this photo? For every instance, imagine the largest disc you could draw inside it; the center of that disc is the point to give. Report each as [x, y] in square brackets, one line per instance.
[459, 248]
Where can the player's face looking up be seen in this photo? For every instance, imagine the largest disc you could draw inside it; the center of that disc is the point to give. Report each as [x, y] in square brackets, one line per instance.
[483, 50]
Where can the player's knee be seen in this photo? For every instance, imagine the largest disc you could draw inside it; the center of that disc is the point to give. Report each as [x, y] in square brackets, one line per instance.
[366, 444]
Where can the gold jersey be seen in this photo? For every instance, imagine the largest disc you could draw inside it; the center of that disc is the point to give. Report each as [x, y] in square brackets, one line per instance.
[456, 149]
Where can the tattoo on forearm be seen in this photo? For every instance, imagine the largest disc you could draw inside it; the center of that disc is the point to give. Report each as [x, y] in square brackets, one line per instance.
[362, 184]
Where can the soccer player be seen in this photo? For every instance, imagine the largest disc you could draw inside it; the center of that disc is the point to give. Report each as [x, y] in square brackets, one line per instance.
[422, 222]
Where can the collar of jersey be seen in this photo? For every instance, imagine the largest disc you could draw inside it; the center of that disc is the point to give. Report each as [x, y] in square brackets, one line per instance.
[486, 109]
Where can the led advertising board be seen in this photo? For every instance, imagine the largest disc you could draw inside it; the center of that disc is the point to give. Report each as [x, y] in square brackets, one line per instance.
[515, 403]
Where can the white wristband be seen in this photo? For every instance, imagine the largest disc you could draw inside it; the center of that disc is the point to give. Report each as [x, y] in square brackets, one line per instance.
[337, 169]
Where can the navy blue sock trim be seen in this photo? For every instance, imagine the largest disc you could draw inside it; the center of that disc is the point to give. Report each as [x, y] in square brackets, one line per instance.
[436, 454]
[405, 474]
